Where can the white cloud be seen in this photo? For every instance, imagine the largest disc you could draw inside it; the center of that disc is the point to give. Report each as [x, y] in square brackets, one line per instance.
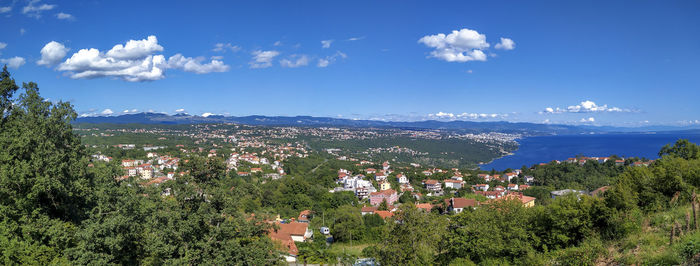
[34, 8]
[2, 46]
[195, 65]
[263, 59]
[585, 107]
[295, 61]
[326, 43]
[459, 46]
[207, 114]
[52, 53]
[505, 44]
[14, 62]
[324, 62]
[5, 9]
[135, 49]
[217, 57]
[135, 61]
[470, 71]
[127, 111]
[465, 116]
[180, 110]
[587, 120]
[107, 111]
[65, 16]
[277, 43]
[357, 38]
[223, 47]
[22, 31]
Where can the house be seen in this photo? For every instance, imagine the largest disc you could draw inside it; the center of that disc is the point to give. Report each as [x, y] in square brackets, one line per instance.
[527, 201]
[402, 179]
[368, 210]
[559, 193]
[454, 184]
[512, 186]
[304, 216]
[370, 171]
[380, 176]
[432, 185]
[490, 194]
[384, 185]
[458, 205]
[364, 192]
[384, 214]
[376, 198]
[427, 173]
[523, 187]
[510, 176]
[425, 206]
[619, 162]
[386, 165]
[299, 232]
[283, 242]
[482, 187]
[406, 187]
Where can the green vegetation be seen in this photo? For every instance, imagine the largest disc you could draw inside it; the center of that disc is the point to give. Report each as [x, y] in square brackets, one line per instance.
[57, 210]
[58, 207]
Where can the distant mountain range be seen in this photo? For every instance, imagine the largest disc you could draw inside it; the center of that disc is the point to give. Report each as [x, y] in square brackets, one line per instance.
[466, 126]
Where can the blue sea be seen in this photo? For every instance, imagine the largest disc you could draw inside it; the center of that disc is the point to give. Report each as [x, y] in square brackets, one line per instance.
[535, 150]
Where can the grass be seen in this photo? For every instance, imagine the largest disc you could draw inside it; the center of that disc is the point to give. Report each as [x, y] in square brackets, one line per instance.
[650, 246]
[355, 249]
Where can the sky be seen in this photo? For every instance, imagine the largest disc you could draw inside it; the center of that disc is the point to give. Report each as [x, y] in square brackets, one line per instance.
[620, 63]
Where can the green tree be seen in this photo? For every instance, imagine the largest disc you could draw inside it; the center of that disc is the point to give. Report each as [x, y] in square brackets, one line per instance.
[413, 240]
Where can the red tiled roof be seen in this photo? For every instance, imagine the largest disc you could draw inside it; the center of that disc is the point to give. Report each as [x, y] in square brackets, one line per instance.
[384, 214]
[461, 202]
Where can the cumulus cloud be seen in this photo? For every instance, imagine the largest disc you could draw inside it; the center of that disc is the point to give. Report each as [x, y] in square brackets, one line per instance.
[464, 116]
[2, 46]
[585, 107]
[195, 65]
[326, 43]
[127, 111]
[135, 49]
[107, 111]
[459, 46]
[295, 61]
[14, 62]
[587, 120]
[134, 61]
[65, 16]
[207, 114]
[223, 47]
[326, 61]
[180, 110]
[52, 53]
[263, 59]
[5, 9]
[34, 8]
[505, 44]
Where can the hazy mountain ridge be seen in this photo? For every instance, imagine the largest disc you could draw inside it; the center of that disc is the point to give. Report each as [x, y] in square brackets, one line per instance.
[467, 126]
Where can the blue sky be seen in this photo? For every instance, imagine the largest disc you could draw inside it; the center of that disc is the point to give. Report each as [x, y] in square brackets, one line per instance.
[590, 62]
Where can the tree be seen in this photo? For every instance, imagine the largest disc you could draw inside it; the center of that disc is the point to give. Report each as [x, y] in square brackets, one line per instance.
[383, 206]
[348, 224]
[407, 242]
[683, 149]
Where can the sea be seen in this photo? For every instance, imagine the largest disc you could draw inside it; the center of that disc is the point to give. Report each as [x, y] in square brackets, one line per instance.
[544, 149]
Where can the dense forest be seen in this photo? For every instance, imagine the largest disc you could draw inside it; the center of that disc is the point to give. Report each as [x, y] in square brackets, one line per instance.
[58, 208]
